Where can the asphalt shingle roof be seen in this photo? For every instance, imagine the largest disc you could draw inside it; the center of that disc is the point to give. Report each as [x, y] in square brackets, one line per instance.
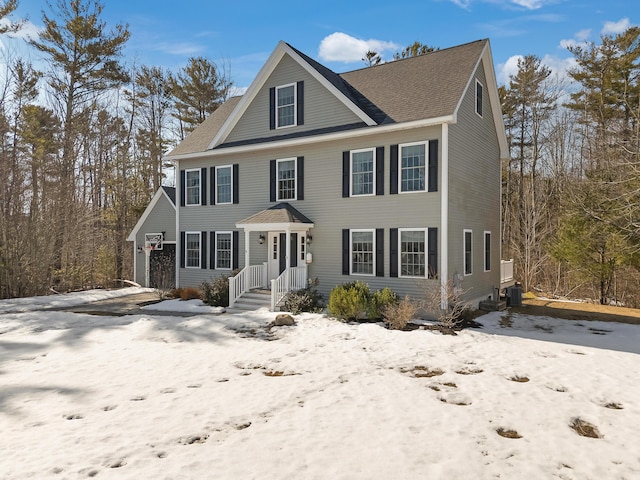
[279, 213]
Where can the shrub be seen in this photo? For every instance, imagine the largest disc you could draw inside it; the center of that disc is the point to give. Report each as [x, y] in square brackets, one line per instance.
[350, 301]
[380, 300]
[216, 291]
[304, 300]
[182, 293]
[398, 314]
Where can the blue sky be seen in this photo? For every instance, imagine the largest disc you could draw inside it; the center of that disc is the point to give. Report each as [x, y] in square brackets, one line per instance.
[242, 34]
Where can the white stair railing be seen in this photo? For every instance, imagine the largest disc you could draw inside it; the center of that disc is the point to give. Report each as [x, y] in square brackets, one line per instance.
[253, 276]
[294, 278]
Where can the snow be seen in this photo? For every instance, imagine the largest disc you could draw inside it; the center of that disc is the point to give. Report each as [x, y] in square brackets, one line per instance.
[223, 396]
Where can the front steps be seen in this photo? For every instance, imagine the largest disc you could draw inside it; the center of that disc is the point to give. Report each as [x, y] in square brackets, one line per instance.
[253, 300]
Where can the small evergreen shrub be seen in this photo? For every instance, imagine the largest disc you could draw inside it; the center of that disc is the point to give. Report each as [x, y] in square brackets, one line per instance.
[350, 301]
[216, 291]
[304, 300]
[380, 300]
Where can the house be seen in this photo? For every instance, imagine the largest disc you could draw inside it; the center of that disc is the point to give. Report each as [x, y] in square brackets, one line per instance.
[389, 174]
[154, 241]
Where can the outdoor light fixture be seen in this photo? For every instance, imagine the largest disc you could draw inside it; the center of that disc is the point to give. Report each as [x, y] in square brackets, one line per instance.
[261, 239]
[309, 238]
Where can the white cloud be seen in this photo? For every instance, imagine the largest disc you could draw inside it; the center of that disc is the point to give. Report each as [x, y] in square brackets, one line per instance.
[505, 70]
[529, 4]
[583, 34]
[462, 3]
[28, 30]
[614, 28]
[580, 39]
[558, 66]
[340, 47]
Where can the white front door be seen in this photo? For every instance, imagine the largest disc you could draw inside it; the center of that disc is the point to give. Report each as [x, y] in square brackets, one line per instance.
[274, 256]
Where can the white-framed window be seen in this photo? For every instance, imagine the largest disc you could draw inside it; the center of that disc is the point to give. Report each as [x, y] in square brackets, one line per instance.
[286, 179]
[192, 186]
[468, 252]
[413, 171]
[224, 184]
[413, 252]
[479, 89]
[363, 172]
[362, 252]
[303, 248]
[192, 249]
[487, 251]
[286, 105]
[224, 250]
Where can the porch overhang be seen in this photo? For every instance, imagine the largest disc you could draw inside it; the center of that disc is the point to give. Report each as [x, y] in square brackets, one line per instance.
[279, 217]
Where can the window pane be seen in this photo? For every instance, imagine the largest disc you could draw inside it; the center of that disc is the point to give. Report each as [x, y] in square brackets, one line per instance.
[362, 173]
[362, 253]
[412, 253]
[467, 253]
[286, 105]
[413, 168]
[223, 187]
[193, 250]
[223, 250]
[287, 180]
[193, 187]
[487, 251]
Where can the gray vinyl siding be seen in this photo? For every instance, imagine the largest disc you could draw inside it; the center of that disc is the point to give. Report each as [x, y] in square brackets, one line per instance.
[474, 191]
[324, 205]
[161, 219]
[321, 108]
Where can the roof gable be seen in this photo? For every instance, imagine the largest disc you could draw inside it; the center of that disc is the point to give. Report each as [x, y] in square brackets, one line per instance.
[169, 193]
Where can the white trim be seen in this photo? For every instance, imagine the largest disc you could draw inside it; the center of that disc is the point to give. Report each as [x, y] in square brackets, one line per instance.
[215, 187]
[425, 231]
[426, 166]
[267, 227]
[295, 179]
[464, 252]
[147, 211]
[328, 137]
[374, 163]
[295, 105]
[186, 256]
[444, 219]
[186, 187]
[478, 82]
[373, 251]
[215, 247]
[484, 251]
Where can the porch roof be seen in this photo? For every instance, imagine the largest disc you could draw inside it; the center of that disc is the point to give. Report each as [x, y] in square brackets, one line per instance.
[279, 216]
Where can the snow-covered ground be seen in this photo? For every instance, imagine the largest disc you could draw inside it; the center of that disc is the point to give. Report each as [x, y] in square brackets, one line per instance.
[220, 396]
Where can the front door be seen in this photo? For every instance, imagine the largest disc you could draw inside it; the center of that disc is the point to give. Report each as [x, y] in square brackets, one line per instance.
[278, 253]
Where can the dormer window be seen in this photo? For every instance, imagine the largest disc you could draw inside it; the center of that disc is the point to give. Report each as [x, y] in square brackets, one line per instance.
[286, 105]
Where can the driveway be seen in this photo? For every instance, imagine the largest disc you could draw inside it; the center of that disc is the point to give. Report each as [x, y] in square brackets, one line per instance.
[127, 305]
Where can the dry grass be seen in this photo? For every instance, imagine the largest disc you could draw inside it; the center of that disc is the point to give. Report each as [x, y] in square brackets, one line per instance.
[519, 379]
[508, 433]
[613, 405]
[420, 371]
[584, 428]
[469, 371]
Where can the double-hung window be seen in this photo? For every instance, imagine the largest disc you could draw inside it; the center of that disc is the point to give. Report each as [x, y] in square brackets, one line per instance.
[192, 186]
[468, 252]
[224, 250]
[286, 105]
[224, 184]
[286, 179]
[363, 172]
[413, 252]
[362, 246]
[192, 249]
[413, 167]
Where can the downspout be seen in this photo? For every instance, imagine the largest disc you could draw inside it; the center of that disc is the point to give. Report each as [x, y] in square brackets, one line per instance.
[178, 236]
[444, 220]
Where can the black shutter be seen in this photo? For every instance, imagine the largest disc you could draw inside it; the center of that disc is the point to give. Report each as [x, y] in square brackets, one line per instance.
[300, 103]
[203, 186]
[345, 251]
[294, 250]
[182, 249]
[300, 178]
[379, 252]
[203, 250]
[346, 173]
[272, 179]
[212, 188]
[432, 257]
[272, 108]
[183, 188]
[212, 250]
[236, 251]
[433, 165]
[236, 183]
[393, 169]
[393, 252]
[379, 170]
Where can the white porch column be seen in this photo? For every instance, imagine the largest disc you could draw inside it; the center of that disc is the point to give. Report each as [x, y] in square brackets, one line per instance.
[247, 249]
[288, 248]
[444, 219]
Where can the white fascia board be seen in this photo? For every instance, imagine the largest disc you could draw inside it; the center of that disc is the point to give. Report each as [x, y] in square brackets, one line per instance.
[147, 212]
[329, 137]
[272, 227]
